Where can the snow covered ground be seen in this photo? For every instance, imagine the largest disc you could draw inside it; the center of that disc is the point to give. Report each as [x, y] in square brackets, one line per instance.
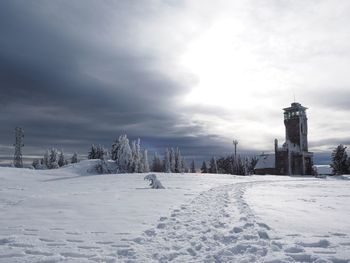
[68, 215]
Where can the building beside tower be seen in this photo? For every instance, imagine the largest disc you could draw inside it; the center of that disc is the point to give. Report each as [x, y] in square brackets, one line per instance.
[293, 157]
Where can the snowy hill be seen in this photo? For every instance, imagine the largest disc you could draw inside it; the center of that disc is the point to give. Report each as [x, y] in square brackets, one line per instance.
[70, 215]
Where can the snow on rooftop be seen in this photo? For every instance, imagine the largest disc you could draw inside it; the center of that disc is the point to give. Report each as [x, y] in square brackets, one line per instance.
[266, 161]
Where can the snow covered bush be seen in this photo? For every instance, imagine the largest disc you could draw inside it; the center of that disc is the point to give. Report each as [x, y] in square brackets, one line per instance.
[154, 182]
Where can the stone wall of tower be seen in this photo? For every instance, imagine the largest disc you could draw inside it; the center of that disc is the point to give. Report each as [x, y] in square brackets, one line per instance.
[292, 130]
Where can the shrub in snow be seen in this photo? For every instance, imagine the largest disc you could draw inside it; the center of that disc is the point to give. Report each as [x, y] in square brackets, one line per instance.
[154, 182]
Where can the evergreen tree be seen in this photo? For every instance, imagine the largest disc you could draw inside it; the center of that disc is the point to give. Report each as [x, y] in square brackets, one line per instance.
[213, 169]
[93, 152]
[157, 164]
[115, 149]
[124, 154]
[167, 167]
[339, 160]
[74, 158]
[204, 168]
[178, 159]
[172, 160]
[46, 162]
[53, 159]
[35, 163]
[183, 168]
[138, 157]
[61, 160]
[145, 162]
[100, 153]
[193, 168]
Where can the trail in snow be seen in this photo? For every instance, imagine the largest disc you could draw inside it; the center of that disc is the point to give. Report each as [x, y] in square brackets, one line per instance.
[219, 226]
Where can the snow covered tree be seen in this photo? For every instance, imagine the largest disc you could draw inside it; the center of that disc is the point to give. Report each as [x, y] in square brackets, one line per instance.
[145, 162]
[172, 160]
[61, 160]
[124, 154]
[46, 159]
[339, 160]
[178, 160]
[115, 149]
[53, 159]
[35, 163]
[213, 169]
[93, 152]
[74, 158]
[157, 163]
[100, 153]
[193, 168]
[167, 167]
[136, 165]
[204, 168]
[183, 166]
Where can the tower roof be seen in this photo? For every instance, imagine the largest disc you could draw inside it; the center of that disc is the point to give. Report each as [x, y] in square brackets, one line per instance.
[295, 106]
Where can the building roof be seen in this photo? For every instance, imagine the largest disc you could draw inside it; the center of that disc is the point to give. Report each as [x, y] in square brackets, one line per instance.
[295, 106]
[265, 161]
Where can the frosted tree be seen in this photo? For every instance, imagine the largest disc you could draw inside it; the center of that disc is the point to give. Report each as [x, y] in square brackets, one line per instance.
[167, 167]
[53, 159]
[17, 160]
[61, 160]
[100, 153]
[183, 166]
[145, 162]
[93, 152]
[192, 168]
[213, 168]
[172, 160]
[35, 163]
[115, 149]
[339, 160]
[74, 158]
[157, 163]
[204, 168]
[136, 156]
[177, 161]
[124, 154]
[46, 160]
[133, 165]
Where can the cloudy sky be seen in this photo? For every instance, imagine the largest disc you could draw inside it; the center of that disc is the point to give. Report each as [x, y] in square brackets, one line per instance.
[193, 74]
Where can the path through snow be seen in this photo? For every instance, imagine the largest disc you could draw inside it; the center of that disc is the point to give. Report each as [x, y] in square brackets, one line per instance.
[219, 226]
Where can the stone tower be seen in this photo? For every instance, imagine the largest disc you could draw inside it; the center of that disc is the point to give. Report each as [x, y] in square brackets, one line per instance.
[295, 120]
[293, 158]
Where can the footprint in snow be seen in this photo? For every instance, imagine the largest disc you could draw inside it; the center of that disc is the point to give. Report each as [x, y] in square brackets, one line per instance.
[104, 242]
[150, 232]
[38, 253]
[74, 240]
[324, 243]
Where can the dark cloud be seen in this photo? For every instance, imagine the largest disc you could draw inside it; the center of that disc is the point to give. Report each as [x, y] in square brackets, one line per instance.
[74, 73]
[68, 86]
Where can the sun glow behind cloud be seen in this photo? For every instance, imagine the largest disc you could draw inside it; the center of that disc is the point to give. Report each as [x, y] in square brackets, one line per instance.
[230, 73]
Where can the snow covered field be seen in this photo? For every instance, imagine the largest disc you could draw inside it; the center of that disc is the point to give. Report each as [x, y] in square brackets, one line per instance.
[68, 215]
